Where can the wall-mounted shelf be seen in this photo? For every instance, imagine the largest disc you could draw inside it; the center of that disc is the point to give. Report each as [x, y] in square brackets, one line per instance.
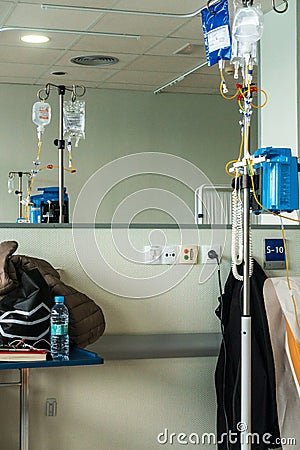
[152, 346]
[138, 226]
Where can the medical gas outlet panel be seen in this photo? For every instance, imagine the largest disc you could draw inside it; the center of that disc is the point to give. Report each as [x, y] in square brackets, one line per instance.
[180, 254]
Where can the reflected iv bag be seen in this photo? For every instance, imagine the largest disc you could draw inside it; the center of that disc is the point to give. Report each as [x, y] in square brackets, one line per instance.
[74, 120]
[41, 116]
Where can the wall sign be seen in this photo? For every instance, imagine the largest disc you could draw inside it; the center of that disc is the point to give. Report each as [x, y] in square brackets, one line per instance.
[274, 254]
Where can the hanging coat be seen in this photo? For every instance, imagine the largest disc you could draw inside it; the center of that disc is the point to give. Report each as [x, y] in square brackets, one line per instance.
[86, 319]
[228, 370]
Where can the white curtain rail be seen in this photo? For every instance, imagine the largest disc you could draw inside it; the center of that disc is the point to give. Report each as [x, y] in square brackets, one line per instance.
[124, 11]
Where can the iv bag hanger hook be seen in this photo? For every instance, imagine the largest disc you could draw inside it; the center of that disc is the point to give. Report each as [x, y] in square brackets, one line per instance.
[208, 6]
[76, 91]
[280, 11]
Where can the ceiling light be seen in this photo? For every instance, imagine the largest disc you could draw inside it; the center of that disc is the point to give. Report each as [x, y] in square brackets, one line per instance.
[35, 39]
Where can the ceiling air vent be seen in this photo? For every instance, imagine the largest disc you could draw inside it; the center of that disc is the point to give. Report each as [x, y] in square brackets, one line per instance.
[94, 60]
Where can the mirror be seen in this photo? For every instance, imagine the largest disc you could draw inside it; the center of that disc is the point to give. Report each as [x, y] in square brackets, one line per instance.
[200, 128]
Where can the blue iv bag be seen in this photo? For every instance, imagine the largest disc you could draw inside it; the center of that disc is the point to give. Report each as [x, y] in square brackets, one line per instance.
[216, 30]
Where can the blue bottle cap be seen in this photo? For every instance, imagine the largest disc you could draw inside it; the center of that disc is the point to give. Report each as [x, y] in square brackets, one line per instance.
[59, 299]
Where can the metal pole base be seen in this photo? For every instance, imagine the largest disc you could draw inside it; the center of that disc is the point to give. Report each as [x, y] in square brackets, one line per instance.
[24, 404]
[245, 424]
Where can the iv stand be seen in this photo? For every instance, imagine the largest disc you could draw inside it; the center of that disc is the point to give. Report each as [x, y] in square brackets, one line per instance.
[245, 424]
[19, 191]
[60, 144]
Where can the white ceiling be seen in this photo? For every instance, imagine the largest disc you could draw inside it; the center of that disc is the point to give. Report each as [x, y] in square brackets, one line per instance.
[144, 64]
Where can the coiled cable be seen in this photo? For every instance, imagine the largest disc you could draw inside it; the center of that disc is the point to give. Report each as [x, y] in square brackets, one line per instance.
[237, 243]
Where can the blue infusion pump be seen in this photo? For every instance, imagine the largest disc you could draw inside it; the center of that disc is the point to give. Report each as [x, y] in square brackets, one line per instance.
[45, 205]
[278, 186]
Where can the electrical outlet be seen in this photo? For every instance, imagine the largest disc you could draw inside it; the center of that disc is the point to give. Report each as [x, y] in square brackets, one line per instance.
[175, 254]
[170, 255]
[51, 407]
[204, 253]
[158, 254]
[153, 254]
[188, 254]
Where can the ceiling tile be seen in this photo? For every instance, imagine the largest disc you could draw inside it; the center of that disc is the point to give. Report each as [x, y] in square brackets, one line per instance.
[27, 15]
[205, 81]
[136, 77]
[145, 64]
[192, 29]
[22, 70]
[82, 74]
[116, 45]
[15, 80]
[150, 26]
[175, 64]
[170, 46]
[6, 9]
[166, 6]
[30, 56]
[124, 59]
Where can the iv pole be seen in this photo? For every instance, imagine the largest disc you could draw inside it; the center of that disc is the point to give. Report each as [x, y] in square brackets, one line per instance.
[60, 144]
[19, 191]
[245, 424]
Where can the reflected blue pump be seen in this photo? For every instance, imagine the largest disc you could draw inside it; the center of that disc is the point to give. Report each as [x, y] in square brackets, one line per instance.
[278, 187]
[45, 205]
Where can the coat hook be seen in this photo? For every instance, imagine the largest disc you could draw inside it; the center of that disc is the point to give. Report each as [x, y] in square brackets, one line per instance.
[282, 10]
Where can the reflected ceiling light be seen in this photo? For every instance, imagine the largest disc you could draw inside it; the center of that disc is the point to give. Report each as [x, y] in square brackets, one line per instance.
[35, 39]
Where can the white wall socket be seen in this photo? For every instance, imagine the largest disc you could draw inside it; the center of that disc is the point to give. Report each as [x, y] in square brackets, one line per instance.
[175, 254]
[153, 254]
[204, 253]
[170, 255]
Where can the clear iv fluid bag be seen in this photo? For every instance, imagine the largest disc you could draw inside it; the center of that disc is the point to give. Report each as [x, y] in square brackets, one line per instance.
[74, 120]
[41, 114]
[10, 184]
[248, 25]
[247, 30]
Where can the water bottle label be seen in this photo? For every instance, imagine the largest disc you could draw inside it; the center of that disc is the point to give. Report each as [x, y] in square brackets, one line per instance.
[59, 330]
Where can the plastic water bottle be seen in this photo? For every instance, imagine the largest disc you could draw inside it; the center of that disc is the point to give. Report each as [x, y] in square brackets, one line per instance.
[59, 321]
